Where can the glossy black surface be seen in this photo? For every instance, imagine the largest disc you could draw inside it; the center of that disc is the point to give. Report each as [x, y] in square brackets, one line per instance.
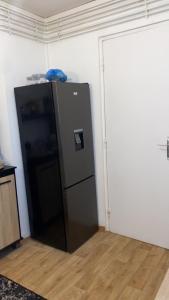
[57, 147]
[40, 156]
[82, 212]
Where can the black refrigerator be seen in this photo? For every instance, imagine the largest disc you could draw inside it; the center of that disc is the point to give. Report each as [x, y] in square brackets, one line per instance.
[57, 148]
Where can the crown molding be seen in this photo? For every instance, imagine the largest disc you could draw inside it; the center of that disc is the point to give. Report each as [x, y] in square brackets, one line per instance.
[20, 11]
[101, 14]
[20, 22]
[92, 16]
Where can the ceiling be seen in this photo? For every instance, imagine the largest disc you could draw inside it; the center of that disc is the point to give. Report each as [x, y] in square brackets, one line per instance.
[47, 8]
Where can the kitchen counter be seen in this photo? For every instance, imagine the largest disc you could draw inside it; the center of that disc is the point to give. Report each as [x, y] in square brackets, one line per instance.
[7, 170]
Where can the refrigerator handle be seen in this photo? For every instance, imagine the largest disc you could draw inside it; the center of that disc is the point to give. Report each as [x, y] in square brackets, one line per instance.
[79, 139]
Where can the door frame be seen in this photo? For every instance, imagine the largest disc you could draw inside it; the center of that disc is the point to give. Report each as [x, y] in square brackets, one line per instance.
[130, 29]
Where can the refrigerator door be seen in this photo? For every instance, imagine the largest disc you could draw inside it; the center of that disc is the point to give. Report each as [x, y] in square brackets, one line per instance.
[82, 220]
[72, 102]
[37, 126]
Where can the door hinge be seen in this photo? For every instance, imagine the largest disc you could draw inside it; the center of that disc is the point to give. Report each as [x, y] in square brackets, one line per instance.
[105, 143]
[109, 212]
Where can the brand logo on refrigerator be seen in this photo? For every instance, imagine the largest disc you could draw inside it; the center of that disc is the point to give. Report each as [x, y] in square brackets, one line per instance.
[75, 93]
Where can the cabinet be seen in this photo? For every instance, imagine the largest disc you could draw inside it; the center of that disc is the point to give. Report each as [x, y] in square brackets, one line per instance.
[9, 218]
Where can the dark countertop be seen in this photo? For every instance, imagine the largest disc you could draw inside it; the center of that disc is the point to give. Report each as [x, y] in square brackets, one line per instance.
[7, 170]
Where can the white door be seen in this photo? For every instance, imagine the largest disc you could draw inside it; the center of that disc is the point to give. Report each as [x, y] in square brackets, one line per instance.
[137, 121]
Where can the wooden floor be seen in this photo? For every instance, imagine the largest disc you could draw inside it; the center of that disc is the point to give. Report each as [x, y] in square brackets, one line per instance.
[107, 267]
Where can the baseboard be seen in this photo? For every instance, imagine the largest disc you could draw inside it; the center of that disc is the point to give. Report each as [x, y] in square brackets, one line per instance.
[102, 229]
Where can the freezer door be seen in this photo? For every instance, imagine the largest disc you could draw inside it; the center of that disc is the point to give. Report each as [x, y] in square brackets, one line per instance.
[82, 220]
[75, 130]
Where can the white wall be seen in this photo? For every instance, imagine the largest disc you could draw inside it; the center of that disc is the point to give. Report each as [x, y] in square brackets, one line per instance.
[19, 58]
